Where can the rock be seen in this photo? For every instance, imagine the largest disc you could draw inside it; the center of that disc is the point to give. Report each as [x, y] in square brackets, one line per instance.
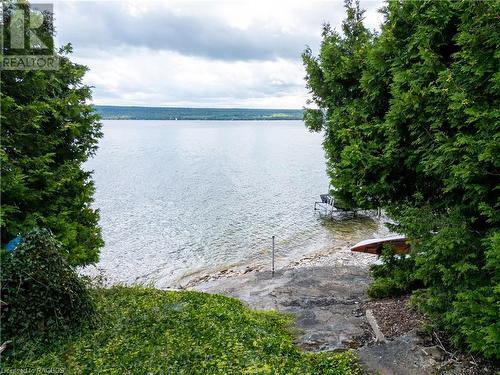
[322, 299]
[436, 353]
[328, 303]
[398, 357]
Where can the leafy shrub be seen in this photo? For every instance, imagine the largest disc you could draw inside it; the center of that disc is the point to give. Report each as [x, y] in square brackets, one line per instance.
[460, 272]
[394, 277]
[40, 290]
[151, 331]
[470, 311]
[475, 313]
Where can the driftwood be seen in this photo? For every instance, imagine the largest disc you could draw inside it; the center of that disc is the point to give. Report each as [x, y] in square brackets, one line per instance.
[379, 336]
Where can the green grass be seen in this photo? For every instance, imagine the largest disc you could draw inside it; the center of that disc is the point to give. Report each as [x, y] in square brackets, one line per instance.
[145, 330]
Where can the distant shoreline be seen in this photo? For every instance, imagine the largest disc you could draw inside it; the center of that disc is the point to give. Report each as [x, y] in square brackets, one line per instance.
[215, 114]
[198, 119]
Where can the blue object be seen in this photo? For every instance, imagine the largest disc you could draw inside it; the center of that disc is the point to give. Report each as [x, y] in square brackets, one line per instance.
[13, 243]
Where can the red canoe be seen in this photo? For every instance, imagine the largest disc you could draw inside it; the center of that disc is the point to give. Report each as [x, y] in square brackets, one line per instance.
[375, 245]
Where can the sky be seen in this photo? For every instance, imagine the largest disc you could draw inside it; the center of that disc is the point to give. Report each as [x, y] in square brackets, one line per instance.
[224, 54]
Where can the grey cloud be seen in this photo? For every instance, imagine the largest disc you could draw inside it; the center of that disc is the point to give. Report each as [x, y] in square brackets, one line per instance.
[93, 25]
[191, 56]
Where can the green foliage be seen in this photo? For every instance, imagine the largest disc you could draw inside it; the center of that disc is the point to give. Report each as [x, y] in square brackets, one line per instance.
[313, 119]
[48, 130]
[412, 124]
[471, 307]
[145, 330]
[475, 312]
[395, 276]
[41, 290]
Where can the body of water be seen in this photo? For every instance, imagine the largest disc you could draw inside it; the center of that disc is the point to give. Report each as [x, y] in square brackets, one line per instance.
[177, 197]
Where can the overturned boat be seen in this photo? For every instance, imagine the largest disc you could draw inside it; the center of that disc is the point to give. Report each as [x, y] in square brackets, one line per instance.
[375, 245]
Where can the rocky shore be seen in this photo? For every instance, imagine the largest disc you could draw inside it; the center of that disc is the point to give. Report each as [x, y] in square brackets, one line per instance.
[327, 294]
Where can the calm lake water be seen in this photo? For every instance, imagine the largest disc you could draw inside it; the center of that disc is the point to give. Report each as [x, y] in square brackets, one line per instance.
[178, 197]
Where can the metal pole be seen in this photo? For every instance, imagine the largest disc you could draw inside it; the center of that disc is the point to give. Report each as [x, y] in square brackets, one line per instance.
[273, 257]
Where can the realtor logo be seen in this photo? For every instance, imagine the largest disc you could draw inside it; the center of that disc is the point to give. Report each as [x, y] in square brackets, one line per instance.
[27, 37]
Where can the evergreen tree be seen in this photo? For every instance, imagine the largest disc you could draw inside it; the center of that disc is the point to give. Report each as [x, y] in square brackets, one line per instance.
[412, 123]
[48, 130]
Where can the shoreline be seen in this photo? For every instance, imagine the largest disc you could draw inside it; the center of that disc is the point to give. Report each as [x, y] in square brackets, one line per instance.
[326, 256]
[326, 294]
[325, 291]
[331, 248]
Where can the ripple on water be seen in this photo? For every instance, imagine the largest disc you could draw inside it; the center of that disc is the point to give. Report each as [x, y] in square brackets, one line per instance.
[178, 197]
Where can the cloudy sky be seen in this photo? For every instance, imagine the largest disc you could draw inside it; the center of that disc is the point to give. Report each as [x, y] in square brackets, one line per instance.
[198, 54]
